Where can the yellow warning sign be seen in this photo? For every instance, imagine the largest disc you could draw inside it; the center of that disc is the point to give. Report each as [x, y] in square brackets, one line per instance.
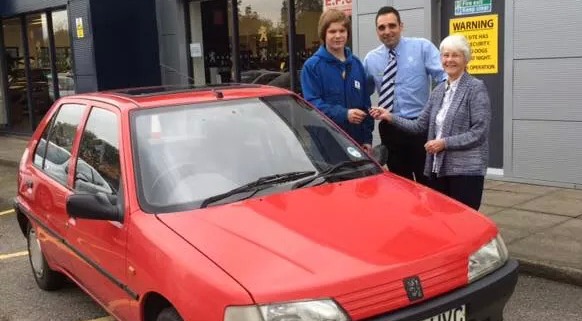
[79, 25]
[483, 35]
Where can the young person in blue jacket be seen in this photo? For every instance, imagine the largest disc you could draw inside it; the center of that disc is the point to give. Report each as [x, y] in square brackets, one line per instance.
[334, 80]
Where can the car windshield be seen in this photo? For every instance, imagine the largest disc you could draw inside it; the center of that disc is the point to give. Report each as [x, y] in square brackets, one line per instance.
[190, 153]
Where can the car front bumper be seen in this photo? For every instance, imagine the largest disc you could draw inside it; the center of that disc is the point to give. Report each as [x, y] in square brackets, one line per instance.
[483, 299]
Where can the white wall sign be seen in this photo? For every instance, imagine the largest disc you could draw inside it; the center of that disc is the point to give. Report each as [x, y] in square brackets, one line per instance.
[195, 50]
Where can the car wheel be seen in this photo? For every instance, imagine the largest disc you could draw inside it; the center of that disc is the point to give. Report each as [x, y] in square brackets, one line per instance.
[169, 314]
[46, 278]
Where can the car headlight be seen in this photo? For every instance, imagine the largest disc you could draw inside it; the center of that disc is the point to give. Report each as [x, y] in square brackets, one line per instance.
[317, 310]
[488, 258]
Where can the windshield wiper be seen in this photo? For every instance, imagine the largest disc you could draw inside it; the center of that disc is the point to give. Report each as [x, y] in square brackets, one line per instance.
[333, 170]
[255, 186]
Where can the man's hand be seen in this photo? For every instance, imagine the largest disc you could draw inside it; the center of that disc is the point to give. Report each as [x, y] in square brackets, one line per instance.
[434, 146]
[367, 148]
[356, 116]
[380, 113]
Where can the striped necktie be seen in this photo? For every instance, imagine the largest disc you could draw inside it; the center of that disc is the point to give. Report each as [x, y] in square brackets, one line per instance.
[386, 99]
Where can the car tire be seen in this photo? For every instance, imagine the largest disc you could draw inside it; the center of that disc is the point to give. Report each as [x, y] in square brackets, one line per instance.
[46, 278]
[169, 314]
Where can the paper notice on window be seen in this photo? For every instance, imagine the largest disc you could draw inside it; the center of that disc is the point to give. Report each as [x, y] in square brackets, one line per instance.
[195, 50]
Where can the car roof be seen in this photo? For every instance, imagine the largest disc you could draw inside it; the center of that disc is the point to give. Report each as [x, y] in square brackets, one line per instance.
[144, 97]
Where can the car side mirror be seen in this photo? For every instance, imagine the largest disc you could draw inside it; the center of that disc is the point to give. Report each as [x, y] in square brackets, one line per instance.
[98, 206]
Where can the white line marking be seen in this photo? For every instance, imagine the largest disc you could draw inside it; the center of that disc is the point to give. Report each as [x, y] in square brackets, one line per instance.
[6, 212]
[12, 255]
[103, 319]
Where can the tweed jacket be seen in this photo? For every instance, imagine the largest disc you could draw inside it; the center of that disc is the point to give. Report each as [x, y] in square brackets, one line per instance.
[465, 128]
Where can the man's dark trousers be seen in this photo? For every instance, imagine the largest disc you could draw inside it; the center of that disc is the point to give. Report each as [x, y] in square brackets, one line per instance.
[406, 153]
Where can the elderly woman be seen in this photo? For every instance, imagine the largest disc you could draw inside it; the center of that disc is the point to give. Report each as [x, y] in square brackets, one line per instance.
[457, 116]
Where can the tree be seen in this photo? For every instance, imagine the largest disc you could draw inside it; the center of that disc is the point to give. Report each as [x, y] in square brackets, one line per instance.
[301, 7]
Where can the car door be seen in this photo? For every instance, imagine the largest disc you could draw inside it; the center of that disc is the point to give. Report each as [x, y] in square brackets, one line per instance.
[45, 184]
[100, 265]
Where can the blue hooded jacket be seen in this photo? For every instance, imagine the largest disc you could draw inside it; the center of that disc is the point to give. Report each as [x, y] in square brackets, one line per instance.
[324, 86]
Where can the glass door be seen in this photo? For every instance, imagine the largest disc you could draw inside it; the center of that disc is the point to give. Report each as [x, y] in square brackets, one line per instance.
[39, 60]
[263, 40]
[17, 94]
[209, 43]
[37, 50]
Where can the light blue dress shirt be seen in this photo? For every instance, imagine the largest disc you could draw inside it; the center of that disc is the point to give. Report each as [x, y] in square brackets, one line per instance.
[416, 59]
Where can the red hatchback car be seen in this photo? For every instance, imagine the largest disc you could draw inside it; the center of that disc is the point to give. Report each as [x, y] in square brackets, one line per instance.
[244, 203]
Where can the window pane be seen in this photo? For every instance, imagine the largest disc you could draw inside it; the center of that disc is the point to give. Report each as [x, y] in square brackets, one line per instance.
[98, 168]
[40, 64]
[63, 58]
[62, 136]
[40, 150]
[17, 100]
[263, 40]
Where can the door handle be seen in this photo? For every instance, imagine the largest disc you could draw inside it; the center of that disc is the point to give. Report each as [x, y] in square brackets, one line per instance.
[29, 184]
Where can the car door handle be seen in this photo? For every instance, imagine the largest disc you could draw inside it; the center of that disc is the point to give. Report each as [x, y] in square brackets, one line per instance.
[29, 184]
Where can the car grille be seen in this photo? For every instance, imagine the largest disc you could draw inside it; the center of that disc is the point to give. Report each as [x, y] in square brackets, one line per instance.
[391, 295]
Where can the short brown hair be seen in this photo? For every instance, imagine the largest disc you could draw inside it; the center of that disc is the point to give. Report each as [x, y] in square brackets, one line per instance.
[327, 18]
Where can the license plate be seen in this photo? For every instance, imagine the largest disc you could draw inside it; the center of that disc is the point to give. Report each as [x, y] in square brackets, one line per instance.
[457, 314]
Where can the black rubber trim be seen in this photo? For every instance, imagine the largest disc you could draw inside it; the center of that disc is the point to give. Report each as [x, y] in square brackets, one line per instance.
[121, 285]
[484, 299]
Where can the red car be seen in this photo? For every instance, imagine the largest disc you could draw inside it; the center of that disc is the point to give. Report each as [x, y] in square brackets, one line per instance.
[244, 203]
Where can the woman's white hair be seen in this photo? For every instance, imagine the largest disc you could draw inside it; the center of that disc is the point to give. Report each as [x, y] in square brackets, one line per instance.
[457, 42]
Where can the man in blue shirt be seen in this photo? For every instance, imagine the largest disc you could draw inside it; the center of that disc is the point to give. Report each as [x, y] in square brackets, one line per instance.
[401, 67]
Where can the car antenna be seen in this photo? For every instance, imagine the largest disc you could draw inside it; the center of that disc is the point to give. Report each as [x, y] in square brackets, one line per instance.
[218, 93]
[177, 72]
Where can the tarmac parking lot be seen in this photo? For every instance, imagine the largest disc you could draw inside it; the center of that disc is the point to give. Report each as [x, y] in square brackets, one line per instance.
[20, 298]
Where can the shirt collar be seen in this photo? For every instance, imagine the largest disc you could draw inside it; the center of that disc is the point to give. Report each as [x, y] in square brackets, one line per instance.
[397, 48]
[454, 84]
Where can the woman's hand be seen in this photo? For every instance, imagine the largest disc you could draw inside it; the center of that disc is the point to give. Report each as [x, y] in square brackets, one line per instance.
[356, 116]
[380, 113]
[434, 146]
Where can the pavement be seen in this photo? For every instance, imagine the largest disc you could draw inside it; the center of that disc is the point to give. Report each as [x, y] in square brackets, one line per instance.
[541, 225]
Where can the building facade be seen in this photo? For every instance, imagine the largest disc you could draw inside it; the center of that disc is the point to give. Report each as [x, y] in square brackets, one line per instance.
[530, 63]
[54, 48]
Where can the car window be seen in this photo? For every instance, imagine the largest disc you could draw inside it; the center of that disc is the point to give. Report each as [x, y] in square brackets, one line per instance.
[53, 157]
[185, 154]
[98, 167]
[40, 150]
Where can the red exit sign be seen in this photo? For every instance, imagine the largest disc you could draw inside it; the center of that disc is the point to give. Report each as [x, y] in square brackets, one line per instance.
[343, 5]
[331, 3]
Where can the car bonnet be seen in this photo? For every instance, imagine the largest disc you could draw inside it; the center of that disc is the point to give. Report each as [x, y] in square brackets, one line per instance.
[339, 240]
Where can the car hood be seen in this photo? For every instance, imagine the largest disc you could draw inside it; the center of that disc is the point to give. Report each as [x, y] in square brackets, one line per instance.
[339, 240]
